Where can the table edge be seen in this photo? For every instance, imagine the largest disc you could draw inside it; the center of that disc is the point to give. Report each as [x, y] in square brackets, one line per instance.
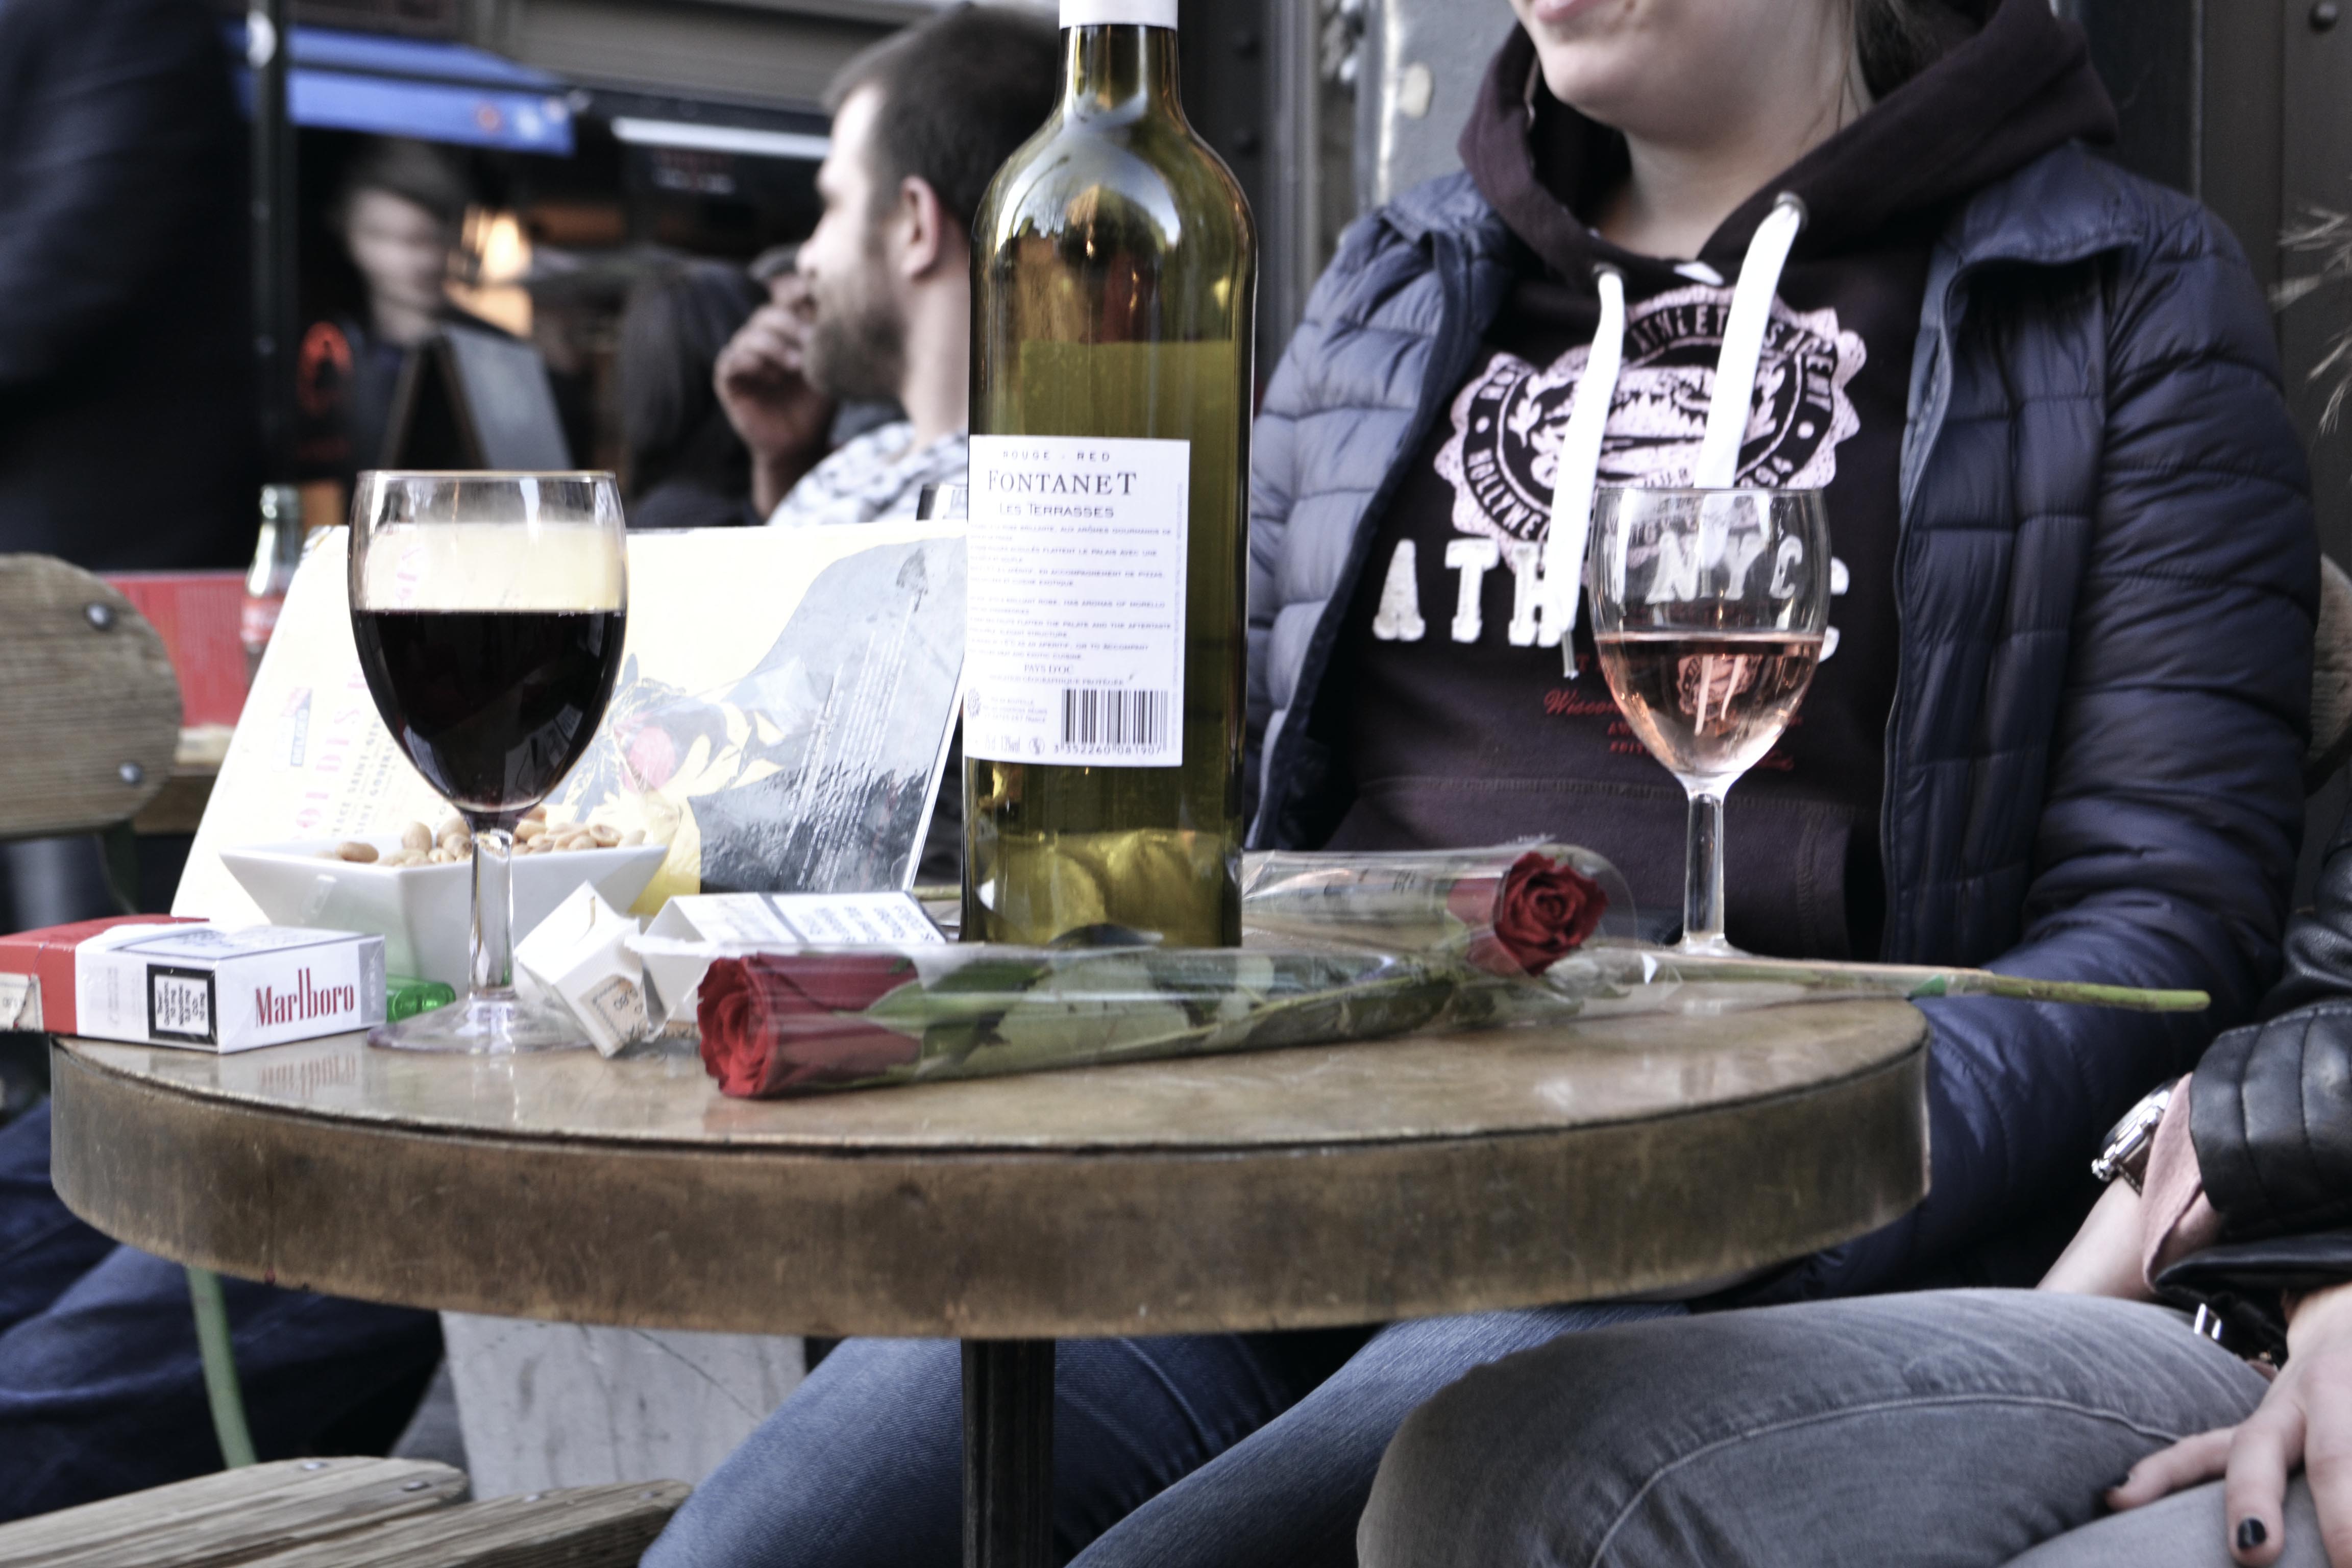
[721, 1145]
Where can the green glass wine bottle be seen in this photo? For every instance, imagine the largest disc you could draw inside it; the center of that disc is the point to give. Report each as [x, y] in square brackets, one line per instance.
[1114, 298]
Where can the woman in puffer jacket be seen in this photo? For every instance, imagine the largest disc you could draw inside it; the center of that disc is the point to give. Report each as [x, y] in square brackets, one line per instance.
[2061, 731]
[2079, 1424]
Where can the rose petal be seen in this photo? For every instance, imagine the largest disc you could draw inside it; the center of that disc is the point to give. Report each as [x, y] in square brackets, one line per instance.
[1547, 909]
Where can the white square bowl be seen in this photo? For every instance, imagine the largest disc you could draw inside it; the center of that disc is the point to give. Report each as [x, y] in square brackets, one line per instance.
[424, 912]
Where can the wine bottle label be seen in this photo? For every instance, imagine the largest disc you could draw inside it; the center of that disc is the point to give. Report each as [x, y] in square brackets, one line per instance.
[1075, 652]
[1113, 13]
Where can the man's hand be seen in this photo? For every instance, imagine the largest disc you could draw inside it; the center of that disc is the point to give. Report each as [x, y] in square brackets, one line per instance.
[768, 400]
[2305, 1419]
[2104, 1258]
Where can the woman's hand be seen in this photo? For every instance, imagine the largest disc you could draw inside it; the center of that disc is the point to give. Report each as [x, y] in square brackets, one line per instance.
[2104, 1258]
[2306, 1419]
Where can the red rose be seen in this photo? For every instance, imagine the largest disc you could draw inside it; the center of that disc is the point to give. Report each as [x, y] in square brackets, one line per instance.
[774, 1022]
[1471, 900]
[1546, 911]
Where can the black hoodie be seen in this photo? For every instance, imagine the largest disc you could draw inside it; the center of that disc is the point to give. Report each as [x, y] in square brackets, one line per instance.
[1455, 728]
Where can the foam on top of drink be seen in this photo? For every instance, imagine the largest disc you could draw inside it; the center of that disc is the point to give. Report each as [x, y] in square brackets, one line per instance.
[512, 567]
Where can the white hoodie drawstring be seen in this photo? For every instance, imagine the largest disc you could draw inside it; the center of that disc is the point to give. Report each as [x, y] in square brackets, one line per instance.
[1576, 465]
[1743, 346]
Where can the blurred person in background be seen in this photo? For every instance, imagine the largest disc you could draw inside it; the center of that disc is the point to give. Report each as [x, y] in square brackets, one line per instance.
[399, 214]
[687, 466]
[129, 435]
[880, 304]
[129, 440]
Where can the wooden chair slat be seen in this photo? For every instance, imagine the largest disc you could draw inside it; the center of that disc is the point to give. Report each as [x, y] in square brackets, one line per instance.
[79, 703]
[580, 1526]
[232, 1517]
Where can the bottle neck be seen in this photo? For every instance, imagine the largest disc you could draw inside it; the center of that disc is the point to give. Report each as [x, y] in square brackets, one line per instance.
[1120, 72]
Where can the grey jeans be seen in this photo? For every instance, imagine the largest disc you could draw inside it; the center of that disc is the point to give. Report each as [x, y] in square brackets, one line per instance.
[1957, 1429]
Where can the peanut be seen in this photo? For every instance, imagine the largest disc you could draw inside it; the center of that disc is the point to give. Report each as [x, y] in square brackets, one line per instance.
[605, 834]
[527, 830]
[417, 836]
[354, 851]
[635, 835]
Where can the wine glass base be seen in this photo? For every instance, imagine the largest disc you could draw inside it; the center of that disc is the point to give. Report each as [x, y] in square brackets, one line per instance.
[1710, 947]
[482, 1025]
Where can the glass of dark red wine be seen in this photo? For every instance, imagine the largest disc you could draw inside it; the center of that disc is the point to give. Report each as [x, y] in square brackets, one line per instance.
[489, 609]
[1709, 608]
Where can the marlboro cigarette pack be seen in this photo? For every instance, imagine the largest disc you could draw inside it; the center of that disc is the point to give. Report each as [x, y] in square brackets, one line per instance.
[192, 983]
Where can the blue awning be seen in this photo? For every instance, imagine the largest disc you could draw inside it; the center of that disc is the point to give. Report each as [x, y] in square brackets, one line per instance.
[402, 86]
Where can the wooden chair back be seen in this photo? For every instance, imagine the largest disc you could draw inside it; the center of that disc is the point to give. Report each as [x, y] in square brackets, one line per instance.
[89, 710]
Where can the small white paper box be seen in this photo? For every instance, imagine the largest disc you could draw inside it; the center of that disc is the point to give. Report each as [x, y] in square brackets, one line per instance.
[691, 930]
[578, 959]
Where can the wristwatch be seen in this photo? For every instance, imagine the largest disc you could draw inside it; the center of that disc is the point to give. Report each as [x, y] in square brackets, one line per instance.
[2128, 1142]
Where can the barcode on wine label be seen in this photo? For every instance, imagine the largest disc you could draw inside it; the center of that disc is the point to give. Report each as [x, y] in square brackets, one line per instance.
[1094, 719]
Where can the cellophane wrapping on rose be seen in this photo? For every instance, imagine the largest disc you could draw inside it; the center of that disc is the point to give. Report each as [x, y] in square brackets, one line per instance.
[1340, 948]
[1514, 910]
[781, 1024]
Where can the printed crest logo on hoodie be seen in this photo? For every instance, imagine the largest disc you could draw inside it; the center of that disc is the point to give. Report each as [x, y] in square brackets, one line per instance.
[1508, 421]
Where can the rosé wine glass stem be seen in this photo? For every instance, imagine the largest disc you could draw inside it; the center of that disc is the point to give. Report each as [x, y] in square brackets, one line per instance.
[1703, 873]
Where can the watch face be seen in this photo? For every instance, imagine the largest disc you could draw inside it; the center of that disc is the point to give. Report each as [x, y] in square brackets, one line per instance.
[2126, 1145]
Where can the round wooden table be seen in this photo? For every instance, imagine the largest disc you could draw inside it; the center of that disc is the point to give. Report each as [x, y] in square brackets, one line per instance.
[1288, 1189]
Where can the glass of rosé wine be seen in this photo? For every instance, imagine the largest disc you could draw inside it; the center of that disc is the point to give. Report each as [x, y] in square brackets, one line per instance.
[1709, 612]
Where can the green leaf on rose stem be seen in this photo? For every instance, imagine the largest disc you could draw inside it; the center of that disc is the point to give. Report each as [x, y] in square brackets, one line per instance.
[979, 989]
[946, 1046]
[1239, 982]
[1083, 1011]
[996, 976]
[1932, 987]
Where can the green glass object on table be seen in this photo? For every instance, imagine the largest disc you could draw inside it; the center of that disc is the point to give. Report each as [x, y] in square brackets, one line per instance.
[404, 996]
[1114, 280]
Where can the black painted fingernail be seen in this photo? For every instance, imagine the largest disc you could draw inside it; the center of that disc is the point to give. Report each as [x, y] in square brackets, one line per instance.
[2120, 1482]
[2252, 1533]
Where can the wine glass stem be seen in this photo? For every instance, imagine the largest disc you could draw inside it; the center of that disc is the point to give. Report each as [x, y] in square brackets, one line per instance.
[493, 949]
[1703, 876]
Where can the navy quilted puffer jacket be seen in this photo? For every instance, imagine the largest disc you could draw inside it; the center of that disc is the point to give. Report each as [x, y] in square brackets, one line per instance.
[2107, 581]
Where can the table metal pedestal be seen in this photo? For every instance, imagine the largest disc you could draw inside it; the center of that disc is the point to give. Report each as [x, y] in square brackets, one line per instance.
[1008, 1453]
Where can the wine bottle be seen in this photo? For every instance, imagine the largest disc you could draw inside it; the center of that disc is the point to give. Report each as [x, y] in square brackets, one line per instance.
[1114, 296]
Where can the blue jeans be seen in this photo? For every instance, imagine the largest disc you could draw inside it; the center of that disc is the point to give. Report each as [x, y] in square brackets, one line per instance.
[100, 1388]
[1219, 1449]
[1911, 1431]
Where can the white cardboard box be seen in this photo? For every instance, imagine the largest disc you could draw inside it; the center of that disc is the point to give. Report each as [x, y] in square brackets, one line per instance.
[747, 921]
[211, 988]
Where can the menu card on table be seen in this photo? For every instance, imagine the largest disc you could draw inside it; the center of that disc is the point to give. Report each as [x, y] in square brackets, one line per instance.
[780, 722]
